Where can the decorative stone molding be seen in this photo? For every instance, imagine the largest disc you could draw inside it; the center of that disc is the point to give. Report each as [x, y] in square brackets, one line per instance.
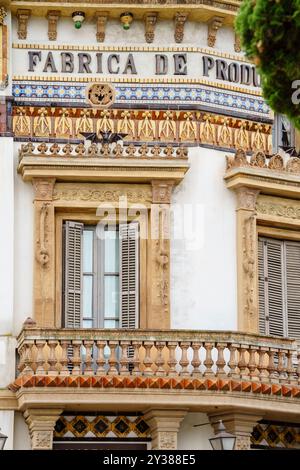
[43, 253]
[41, 424]
[214, 24]
[3, 14]
[237, 43]
[246, 198]
[164, 425]
[101, 18]
[278, 208]
[150, 22]
[259, 160]
[102, 193]
[23, 17]
[162, 191]
[179, 22]
[53, 17]
[239, 423]
[43, 188]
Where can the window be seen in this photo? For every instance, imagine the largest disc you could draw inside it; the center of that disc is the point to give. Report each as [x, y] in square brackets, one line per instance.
[100, 282]
[279, 287]
[283, 132]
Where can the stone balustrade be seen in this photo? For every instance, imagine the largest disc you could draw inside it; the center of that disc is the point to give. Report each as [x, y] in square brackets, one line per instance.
[94, 150]
[148, 353]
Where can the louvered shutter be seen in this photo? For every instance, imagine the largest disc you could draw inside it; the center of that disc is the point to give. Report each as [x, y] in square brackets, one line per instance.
[273, 307]
[72, 274]
[292, 260]
[262, 287]
[129, 275]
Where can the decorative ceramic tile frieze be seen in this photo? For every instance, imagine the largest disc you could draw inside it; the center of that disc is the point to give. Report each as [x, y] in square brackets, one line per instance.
[149, 94]
[274, 435]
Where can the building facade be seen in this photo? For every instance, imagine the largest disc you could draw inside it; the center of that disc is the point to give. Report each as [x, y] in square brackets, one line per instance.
[149, 243]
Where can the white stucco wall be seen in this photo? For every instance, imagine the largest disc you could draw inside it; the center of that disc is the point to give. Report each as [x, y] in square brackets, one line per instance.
[194, 438]
[21, 433]
[7, 428]
[203, 265]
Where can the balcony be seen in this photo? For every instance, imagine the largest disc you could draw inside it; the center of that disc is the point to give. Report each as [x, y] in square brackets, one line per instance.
[139, 368]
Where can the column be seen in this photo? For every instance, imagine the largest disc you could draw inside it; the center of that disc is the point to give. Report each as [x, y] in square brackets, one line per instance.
[164, 425]
[41, 424]
[247, 269]
[44, 264]
[239, 423]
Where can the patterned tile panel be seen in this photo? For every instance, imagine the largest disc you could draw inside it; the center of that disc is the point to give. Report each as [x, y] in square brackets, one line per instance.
[151, 94]
[276, 436]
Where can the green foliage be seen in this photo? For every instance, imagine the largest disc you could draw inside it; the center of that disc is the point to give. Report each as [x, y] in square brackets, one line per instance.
[270, 36]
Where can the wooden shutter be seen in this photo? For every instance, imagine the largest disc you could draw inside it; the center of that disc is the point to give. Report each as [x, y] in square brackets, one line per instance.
[72, 274]
[292, 260]
[273, 304]
[129, 275]
[262, 288]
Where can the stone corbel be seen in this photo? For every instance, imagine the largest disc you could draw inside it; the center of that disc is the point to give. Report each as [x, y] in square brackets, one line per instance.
[237, 43]
[53, 17]
[214, 24]
[41, 424]
[101, 18]
[179, 21]
[164, 425]
[43, 188]
[150, 22]
[239, 423]
[23, 17]
[247, 259]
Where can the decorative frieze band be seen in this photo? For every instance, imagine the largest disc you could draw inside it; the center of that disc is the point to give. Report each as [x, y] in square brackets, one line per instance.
[260, 160]
[143, 125]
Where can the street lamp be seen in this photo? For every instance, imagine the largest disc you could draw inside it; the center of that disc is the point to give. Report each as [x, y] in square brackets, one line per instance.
[2, 440]
[223, 440]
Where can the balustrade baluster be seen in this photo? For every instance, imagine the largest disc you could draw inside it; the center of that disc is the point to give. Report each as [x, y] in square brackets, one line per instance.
[161, 371]
[273, 373]
[40, 359]
[208, 360]
[88, 370]
[253, 364]
[100, 357]
[147, 359]
[112, 361]
[76, 357]
[242, 364]
[220, 363]
[262, 364]
[124, 361]
[281, 365]
[290, 367]
[172, 362]
[28, 358]
[52, 343]
[196, 362]
[233, 362]
[22, 354]
[184, 362]
[64, 357]
[136, 358]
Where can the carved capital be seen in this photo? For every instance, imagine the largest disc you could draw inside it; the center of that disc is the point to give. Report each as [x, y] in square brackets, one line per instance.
[237, 43]
[150, 22]
[162, 192]
[23, 17]
[41, 426]
[214, 24]
[164, 425]
[246, 198]
[43, 188]
[101, 18]
[3, 14]
[53, 17]
[179, 22]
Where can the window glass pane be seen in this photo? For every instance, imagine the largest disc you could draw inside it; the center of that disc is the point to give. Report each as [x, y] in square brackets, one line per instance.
[111, 324]
[87, 323]
[87, 297]
[111, 296]
[88, 237]
[111, 264]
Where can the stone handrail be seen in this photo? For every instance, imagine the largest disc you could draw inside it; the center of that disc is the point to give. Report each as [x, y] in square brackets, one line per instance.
[117, 151]
[166, 353]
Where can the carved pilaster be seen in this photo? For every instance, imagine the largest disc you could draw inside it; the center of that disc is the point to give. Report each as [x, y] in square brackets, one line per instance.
[101, 18]
[53, 17]
[41, 426]
[3, 14]
[214, 24]
[247, 260]
[237, 43]
[44, 267]
[23, 17]
[239, 423]
[179, 21]
[164, 425]
[150, 22]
